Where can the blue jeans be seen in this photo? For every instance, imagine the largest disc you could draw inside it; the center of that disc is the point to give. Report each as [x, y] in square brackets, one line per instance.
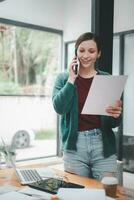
[88, 160]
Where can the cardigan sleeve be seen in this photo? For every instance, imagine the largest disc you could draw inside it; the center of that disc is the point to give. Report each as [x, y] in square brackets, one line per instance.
[111, 122]
[63, 93]
[115, 122]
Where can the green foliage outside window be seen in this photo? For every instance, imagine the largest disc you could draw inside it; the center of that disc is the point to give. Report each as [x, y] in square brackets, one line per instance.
[47, 134]
[27, 58]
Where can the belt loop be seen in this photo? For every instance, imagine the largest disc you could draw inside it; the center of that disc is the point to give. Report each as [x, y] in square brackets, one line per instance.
[95, 130]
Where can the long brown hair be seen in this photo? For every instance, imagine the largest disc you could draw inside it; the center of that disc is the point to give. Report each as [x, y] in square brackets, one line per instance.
[88, 36]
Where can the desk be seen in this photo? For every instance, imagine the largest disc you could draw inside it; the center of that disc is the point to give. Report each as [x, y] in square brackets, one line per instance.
[8, 176]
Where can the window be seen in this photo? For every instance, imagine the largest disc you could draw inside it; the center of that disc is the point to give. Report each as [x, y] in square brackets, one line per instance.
[128, 116]
[123, 61]
[128, 94]
[116, 53]
[70, 52]
[30, 58]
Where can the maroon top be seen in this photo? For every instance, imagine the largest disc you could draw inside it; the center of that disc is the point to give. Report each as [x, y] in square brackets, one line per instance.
[85, 122]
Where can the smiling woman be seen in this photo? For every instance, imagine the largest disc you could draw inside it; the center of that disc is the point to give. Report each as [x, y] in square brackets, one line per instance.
[29, 61]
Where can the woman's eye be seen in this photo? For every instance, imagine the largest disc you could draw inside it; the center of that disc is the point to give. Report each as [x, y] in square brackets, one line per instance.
[81, 51]
[91, 51]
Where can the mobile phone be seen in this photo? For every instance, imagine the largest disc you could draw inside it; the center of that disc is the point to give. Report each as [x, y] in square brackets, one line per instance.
[76, 66]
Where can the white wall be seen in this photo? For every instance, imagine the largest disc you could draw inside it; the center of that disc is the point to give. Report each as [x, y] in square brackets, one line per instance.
[123, 15]
[77, 18]
[47, 13]
[71, 16]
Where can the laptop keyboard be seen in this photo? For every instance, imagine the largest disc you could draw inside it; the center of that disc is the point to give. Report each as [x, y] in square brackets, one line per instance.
[28, 175]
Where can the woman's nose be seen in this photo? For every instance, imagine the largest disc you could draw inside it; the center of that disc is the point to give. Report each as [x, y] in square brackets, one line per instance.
[86, 55]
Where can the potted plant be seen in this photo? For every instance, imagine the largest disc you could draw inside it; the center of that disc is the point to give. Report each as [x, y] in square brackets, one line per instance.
[7, 152]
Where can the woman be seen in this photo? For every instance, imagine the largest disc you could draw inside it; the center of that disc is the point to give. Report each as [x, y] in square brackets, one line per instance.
[88, 141]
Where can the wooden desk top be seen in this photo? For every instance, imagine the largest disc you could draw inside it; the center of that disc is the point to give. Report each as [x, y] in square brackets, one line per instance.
[8, 177]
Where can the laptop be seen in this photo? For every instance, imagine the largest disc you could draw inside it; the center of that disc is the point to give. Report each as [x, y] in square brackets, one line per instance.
[32, 175]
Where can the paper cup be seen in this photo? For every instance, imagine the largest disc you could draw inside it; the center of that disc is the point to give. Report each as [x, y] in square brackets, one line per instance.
[110, 186]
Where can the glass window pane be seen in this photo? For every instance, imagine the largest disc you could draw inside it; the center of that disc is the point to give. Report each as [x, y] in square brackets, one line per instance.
[116, 53]
[129, 88]
[29, 62]
[71, 52]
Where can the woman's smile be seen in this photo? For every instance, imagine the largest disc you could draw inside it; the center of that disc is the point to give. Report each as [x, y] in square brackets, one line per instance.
[85, 62]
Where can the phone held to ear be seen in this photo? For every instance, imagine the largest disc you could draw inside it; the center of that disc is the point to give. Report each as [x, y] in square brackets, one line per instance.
[76, 67]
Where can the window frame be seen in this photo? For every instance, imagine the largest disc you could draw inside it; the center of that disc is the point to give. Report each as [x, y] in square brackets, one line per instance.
[50, 30]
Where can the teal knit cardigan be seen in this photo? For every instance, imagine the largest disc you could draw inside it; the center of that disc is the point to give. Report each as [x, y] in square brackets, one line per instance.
[65, 102]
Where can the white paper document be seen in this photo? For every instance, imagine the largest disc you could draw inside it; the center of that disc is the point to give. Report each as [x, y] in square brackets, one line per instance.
[16, 196]
[8, 188]
[36, 193]
[85, 194]
[104, 91]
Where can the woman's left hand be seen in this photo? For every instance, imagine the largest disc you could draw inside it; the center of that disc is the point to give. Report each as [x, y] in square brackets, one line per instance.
[115, 111]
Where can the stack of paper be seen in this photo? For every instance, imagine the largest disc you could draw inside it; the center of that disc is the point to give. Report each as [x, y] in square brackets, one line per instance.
[69, 194]
[28, 193]
[86, 194]
[35, 193]
[79, 194]
[16, 196]
[8, 188]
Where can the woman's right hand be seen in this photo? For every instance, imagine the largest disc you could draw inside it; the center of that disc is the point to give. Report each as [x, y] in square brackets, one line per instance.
[72, 75]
